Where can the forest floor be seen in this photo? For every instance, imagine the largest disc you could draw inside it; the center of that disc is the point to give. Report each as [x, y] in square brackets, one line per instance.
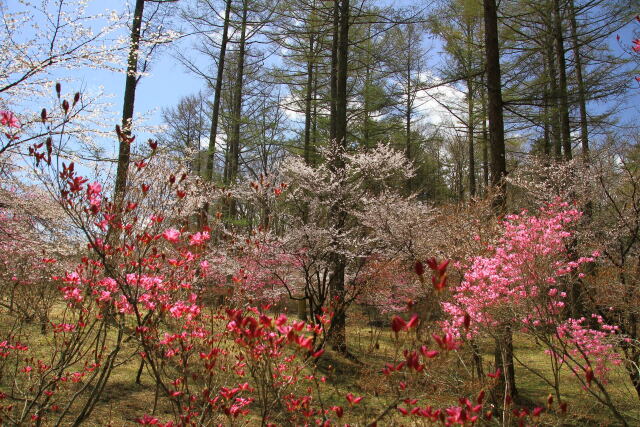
[371, 347]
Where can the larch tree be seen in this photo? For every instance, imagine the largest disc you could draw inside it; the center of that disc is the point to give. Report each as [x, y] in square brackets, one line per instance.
[339, 71]
[458, 23]
[504, 344]
[303, 32]
[186, 130]
[212, 42]
[408, 75]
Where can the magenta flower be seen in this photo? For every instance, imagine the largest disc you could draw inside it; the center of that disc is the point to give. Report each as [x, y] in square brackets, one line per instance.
[7, 118]
[172, 235]
[199, 238]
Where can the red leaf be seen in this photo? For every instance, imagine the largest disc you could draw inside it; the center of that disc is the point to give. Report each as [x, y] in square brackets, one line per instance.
[429, 354]
[439, 283]
[398, 324]
[466, 321]
[413, 322]
[495, 374]
[418, 268]
[589, 375]
[352, 399]
[338, 410]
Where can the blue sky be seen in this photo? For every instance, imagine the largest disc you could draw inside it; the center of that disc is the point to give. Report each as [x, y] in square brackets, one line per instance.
[168, 80]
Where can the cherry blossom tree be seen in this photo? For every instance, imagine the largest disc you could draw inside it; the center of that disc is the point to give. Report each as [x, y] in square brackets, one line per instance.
[367, 179]
[43, 37]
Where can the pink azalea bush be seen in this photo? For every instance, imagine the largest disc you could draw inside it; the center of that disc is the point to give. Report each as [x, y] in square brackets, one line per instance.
[521, 284]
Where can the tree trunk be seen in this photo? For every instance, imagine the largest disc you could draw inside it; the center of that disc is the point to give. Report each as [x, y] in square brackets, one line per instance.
[408, 105]
[234, 143]
[582, 103]
[562, 81]
[554, 99]
[471, 130]
[485, 141]
[546, 139]
[408, 112]
[334, 72]
[124, 155]
[365, 107]
[546, 113]
[470, 111]
[504, 345]
[365, 101]
[314, 125]
[308, 101]
[337, 286]
[215, 114]
[495, 106]
[504, 361]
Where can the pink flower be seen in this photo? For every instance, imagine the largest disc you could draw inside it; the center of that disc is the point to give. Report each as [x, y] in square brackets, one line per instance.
[199, 238]
[63, 327]
[172, 235]
[93, 192]
[413, 322]
[589, 375]
[7, 118]
[72, 293]
[104, 296]
[94, 188]
[636, 46]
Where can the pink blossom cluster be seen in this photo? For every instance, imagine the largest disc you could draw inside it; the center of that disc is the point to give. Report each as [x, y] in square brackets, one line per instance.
[7, 118]
[517, 281]
[593, 347]
[518, 285]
